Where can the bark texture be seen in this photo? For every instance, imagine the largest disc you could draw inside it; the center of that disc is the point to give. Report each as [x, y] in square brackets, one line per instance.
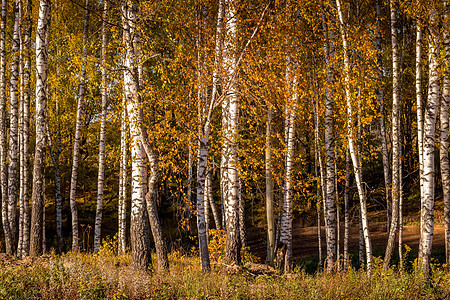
[37, 222]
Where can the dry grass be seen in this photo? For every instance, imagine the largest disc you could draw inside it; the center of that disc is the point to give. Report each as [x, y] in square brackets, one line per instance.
[108, 276]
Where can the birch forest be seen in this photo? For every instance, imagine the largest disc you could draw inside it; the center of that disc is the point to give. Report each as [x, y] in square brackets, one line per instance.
[224, 149]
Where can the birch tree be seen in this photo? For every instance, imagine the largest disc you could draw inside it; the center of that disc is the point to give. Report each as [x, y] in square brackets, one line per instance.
[25, 92]
[13, 163]
[230, 62]
[444, 142]
[101, 150]
[428, 145]
[396, 105]
[329, 205]
[3, 135]
[40, 117]
[123, 180]
[355, 156]
[140, 251]
[205, 115]
[76, 143]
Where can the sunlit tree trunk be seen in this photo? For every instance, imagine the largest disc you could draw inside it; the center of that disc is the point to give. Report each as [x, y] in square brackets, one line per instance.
[420, 121]
[346, 209]
[329, 206]
[396, 106]
[76, 144]
[353, 151]
[444, 144]
[36, 247]
[232, 252]
[428, 146]
[140, 250]
[123, 181]
[101, 150]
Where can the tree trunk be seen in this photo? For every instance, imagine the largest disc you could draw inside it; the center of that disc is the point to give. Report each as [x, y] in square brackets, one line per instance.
[346, 209]
[14, 126]
[329, 207]
[23, 246]
[3, 135]
[353, 151]
[101, 150]
[420, 123]
[338, 223]
[37, 221]
[205, 115]
[141, 257]
[396, 106]
[213, 205]
[232, 252]
[269, 189]
[444, 144]
[76, 144]
[428, 147]
[380, 94]
[26, 83]
[123, 181]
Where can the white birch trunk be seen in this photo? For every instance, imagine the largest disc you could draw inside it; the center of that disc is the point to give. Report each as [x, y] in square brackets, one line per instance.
[346, 209]
[353, 151]
[419, 116]
[36, 247]
[101, 150]
[329, 205]
[141, 257]
[26, 83]
[230, 60]
[205, 115]
[291, 109]
[13, 163]
[3, 134]
[444, 144]
[76, 144]
[396, 106]
[428, 147]
[123, 181]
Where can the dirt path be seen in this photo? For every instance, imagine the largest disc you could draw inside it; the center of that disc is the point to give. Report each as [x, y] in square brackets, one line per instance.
[305, 243]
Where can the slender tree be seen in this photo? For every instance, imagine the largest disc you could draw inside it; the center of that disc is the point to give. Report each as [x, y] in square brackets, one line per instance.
[76, 144]
[354, 153]
[444, 143]
[396, 105]
[329, 205]
[101, 150]
[428, 145]
[37, 221]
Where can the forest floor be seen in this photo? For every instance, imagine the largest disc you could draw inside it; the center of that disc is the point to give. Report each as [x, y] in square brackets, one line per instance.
[305, 242]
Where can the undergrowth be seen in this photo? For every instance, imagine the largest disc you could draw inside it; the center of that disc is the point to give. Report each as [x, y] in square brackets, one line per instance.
[108, 276]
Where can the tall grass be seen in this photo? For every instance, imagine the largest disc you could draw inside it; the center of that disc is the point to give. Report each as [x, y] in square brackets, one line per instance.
[108, 276]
